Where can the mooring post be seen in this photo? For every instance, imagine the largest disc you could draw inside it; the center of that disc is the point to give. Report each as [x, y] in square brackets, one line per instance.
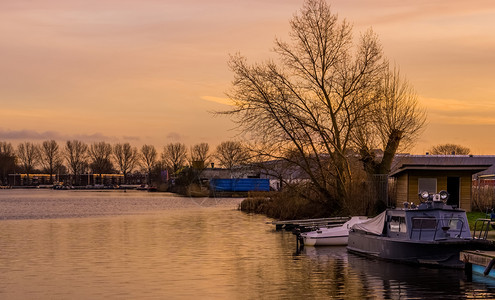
[299, 241]
[468, 270]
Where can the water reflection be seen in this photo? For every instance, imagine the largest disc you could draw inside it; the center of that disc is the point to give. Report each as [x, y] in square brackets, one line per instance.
[326, 274]
[143, 246]
[377, 279]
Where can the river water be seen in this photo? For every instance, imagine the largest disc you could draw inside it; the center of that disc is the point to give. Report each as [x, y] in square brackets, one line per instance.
[138, 245]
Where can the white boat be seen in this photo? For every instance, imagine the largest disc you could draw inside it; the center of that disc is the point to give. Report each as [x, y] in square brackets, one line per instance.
[333, 236]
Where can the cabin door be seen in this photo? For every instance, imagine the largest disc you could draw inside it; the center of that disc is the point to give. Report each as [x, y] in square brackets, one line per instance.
[453, 188]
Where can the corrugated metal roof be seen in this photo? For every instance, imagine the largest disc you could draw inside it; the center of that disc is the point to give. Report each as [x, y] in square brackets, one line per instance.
[475, 163]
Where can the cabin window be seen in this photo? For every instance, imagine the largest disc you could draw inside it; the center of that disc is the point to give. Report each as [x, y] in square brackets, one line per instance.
[424, 223]
[397, 224]
[454, 223]
[427, 184]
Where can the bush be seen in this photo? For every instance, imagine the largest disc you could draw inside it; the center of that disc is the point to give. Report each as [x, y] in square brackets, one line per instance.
[254, 205]
[283, 206]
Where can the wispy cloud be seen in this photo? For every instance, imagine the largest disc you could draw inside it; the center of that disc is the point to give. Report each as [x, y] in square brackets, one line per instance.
[454, 111]
[392, 11]
[35, 136]
[26, 134]
[174, 137]
[220, 100]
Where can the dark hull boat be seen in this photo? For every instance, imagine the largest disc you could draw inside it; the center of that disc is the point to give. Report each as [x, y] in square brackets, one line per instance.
[432, 233]
[435, 253]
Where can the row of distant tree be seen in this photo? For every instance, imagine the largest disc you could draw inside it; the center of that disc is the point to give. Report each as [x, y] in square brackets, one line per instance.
[76, 157]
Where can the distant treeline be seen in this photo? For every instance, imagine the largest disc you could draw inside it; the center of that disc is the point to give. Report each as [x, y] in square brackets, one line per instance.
[75, 157]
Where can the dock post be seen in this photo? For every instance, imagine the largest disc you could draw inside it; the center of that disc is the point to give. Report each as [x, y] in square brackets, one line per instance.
[468, 270]
[299, 241]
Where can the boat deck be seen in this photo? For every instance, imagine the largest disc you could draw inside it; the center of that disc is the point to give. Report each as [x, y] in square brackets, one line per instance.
[291, 224]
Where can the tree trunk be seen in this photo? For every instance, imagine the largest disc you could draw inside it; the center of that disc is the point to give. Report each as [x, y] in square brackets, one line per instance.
[388, 155]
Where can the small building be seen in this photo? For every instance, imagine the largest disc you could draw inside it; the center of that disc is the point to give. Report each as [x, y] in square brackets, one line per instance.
[433, 173]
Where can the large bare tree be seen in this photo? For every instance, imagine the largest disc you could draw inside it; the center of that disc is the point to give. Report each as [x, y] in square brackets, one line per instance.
[174, 156]
[314, 99]
[76, 155]
[311, 100]
[28, 155]
[126, 158]
[149, 157]
[232, 153]
[50, 156]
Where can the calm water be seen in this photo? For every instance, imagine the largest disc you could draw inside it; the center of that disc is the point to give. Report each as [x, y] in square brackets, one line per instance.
[137, 245]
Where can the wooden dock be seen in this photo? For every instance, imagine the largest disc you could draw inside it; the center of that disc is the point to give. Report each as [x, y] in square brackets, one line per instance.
[477, 261]
[321, 222]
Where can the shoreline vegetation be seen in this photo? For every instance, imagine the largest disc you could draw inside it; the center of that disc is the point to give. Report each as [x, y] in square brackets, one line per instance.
[283, 206]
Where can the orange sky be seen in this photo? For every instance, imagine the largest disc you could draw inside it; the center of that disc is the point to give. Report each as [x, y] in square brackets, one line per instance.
[151, 71]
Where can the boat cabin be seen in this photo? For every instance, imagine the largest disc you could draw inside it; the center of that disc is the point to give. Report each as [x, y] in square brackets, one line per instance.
[431, 220]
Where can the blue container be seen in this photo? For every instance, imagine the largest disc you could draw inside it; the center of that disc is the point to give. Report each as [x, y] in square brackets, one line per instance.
[240, 185]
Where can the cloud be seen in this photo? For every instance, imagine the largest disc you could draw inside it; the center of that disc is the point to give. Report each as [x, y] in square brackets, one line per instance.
[174, 136]
[220, 100]
[26, 134]
[454, 111]
[35, 136]
[131, 138]
[392, 11]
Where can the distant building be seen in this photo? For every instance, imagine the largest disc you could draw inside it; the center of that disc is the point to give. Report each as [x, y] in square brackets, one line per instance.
[68, 179]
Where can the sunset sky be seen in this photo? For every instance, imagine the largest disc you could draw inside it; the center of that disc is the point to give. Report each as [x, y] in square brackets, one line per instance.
[152, 71]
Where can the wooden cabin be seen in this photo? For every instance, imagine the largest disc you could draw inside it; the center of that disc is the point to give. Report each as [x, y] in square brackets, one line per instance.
[434, 173]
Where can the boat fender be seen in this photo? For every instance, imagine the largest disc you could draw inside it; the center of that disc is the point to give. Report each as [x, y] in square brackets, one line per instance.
[489, 267]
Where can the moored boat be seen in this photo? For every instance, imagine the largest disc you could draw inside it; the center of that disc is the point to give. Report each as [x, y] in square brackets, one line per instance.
[432, 233]
[333, 236]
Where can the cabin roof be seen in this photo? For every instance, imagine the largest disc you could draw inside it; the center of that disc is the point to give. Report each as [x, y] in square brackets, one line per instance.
[471, 163]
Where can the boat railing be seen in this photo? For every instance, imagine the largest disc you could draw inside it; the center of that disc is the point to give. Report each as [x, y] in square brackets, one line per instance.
[425, 224]
[483, 231]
